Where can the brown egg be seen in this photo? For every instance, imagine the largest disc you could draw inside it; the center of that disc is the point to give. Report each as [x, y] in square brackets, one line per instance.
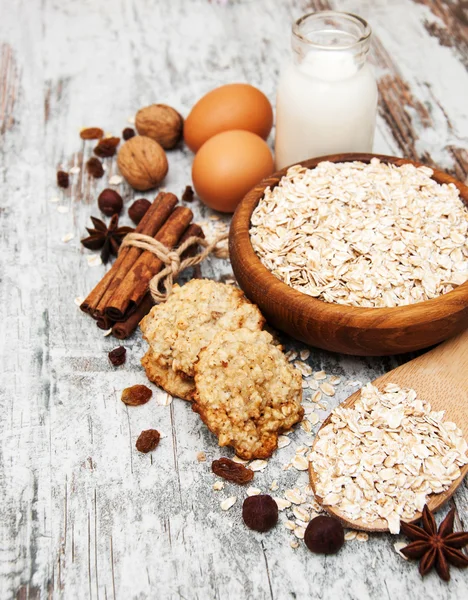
[227, 166]
[232, 106]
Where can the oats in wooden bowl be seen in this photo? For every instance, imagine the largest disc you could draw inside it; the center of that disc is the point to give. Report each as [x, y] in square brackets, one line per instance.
[362, 254]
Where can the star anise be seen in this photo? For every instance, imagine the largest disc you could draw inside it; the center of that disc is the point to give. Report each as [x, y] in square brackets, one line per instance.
[435, 547]
[106, 237]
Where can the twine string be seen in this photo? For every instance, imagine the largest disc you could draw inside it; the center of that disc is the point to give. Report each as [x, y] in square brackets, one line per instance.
[172, 258]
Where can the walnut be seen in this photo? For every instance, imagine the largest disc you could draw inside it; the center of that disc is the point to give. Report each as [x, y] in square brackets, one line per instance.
[142, 162]
[161, 123]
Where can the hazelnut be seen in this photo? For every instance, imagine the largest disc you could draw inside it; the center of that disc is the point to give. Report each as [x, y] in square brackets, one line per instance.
[138, 210]
[142, 162]
[324, 535]
[110, 202]
[161, 123]
[260, 512]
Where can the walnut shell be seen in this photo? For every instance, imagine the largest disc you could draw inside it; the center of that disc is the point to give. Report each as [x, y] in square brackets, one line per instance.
[161, 123]
[142, 162]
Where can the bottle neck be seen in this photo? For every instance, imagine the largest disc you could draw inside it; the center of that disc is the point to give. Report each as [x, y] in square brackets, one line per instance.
[330, 41]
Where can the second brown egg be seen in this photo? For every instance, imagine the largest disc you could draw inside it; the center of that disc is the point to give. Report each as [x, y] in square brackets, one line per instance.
[229, 165]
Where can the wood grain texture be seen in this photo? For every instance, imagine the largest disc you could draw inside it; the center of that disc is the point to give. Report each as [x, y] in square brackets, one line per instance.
[439, 376]
[334, 327]
[82, 515]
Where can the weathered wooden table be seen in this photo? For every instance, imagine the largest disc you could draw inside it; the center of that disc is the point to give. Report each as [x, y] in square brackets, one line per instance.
[83, 515]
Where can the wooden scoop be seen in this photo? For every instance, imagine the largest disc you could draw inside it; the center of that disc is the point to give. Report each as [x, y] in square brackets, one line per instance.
[440, 377]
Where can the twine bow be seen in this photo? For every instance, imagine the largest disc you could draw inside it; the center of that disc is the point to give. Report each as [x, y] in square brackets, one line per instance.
[172, 258]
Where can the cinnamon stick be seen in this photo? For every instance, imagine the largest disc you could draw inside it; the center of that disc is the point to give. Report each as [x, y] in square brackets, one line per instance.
[125, 328]
[103, 322]
[134, 286]
[150, 224]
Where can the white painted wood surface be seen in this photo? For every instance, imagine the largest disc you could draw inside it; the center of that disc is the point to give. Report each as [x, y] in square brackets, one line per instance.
[82, 514]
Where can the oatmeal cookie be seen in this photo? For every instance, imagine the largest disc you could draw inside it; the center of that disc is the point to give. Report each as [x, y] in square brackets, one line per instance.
[170, 381]
[178, 329]
[247, 392]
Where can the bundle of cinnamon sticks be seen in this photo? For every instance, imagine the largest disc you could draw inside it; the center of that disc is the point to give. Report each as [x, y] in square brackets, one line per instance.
[121, 299]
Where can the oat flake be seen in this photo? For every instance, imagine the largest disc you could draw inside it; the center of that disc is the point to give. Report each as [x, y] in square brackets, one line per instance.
[258, 465]
[228, 502]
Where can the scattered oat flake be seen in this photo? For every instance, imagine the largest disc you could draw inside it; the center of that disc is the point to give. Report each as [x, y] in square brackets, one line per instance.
[228, 502]
[299, 532]
[94, 260]
[306, 426]
[75, 170]
[131, 120]
[294, 544]
[282, 503]
[67, 237]
[300, 462]
[283, 441]
[290, 525]
[258, 465]
[313, 418]
[362, 536]
[327, 389]
[239, 460]
[201, 457]
[218, 485]
[274, 485]
[398, 547]
[295, 496]
[165, 399]
[305, 384]
[253, 491]
[317, 396]
[62, 209]
[350, 535]
[115, 180]
[54, 199]
[334, 380]
[107, 332]
[304, 354]
[79, 300]
[319, 375]
[301, 513]
[313, 384]
[353, 383]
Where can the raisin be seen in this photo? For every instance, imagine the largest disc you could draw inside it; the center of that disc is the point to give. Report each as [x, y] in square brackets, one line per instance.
[63, 179]
[117, 356]
[128, 133]
[235, 472]
[136, 395]
[147, 440]
[106, 147]
[187, 196]
[94, 167]
[91, 133]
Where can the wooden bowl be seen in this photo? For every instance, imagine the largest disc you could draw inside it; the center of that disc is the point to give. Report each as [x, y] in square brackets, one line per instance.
[345, 329]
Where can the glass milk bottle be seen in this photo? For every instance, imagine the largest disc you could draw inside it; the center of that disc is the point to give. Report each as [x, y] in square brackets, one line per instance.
[327, 95]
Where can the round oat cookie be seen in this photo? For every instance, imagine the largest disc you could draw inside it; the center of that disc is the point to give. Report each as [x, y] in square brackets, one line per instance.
[167, 379]
[194, 313]
[247, 392]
